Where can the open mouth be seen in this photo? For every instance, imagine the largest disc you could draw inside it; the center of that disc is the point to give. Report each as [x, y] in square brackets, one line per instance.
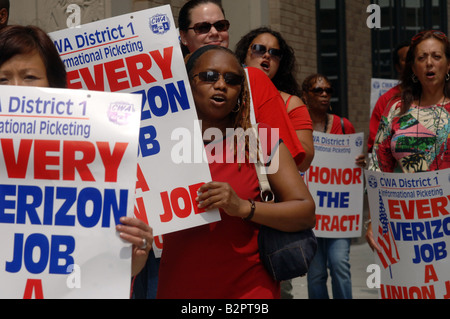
[218, 98]
[265, 65]
[430, 74]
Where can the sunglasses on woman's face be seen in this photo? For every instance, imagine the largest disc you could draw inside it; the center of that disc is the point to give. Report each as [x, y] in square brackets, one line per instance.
[260, 50]
[205, 27]
[213, 77]
[319, 91]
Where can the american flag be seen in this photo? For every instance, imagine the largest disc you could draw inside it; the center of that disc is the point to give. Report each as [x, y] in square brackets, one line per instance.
[389, 253]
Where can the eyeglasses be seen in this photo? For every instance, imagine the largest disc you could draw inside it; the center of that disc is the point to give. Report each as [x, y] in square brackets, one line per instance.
[213, 77]
[205, 27]
[439, 34]
[319, 91]
[260, 50]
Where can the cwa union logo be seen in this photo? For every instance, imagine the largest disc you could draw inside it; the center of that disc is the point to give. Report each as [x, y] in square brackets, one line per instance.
[373, 181]
[118, 112]
[160, 23]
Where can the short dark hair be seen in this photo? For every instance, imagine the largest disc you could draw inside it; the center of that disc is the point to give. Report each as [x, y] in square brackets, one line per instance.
[184, 17]
[16, 39]
[310, 80]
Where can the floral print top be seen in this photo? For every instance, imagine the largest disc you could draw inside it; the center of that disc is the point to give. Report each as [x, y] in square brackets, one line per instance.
[417, 141]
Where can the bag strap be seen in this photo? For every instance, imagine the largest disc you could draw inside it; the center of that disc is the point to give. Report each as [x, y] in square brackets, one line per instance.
[342, 124]
[261, 170]
[252, 108]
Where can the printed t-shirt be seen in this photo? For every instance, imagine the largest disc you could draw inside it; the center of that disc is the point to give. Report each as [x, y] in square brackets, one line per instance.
[417, 141]
[387, 99]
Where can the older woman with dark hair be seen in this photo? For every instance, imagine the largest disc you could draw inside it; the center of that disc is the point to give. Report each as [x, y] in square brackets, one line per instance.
[414, 134]
[28, 57]
[332, 253]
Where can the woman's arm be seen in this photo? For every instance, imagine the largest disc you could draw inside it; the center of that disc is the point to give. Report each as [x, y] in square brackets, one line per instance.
[301, 120]
[294, 210]
[306, 138]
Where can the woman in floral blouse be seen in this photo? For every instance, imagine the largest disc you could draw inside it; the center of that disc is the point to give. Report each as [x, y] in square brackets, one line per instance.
[414, 134]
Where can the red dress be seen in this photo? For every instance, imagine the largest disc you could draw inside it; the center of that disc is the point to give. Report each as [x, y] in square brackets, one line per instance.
[219, 260]
[299, 116]
[271, 110]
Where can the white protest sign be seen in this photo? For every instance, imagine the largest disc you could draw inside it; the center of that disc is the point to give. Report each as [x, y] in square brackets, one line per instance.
[378, 88]
[66, 158]
[336, 184]
[411, 224]
[140, 53]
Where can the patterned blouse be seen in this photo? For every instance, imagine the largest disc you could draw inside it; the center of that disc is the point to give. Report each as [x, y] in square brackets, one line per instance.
[417, 141]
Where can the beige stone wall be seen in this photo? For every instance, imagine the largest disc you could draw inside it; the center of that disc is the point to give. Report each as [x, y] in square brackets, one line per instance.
[51, 15]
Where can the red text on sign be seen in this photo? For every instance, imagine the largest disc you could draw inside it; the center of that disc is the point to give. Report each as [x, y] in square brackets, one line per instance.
[341, 223]
[123, 74]
[56, 160]
[180, 202]
[335, 176]
[421, 209]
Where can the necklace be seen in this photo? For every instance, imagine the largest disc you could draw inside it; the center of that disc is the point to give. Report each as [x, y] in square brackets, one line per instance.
[326, 124]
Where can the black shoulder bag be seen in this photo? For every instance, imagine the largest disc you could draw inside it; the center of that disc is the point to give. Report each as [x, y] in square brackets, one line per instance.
[285, 255]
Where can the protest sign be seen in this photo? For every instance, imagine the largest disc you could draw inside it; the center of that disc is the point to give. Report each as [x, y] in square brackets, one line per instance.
[66, 158]
[378, 88]
[411, 224]
[140, 53]
[336, 184]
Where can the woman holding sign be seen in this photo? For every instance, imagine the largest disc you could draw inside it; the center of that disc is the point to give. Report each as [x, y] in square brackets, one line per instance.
[28, 57]
[332, 253]
[414, 134]
[221, 260]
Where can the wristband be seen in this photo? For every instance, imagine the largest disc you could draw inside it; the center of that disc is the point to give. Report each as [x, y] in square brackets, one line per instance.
[252, 211]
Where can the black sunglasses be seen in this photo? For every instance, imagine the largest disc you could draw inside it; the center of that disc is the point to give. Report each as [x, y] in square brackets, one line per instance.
[319, 91]
[260, 50]
[213, 76]
[205, 27]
